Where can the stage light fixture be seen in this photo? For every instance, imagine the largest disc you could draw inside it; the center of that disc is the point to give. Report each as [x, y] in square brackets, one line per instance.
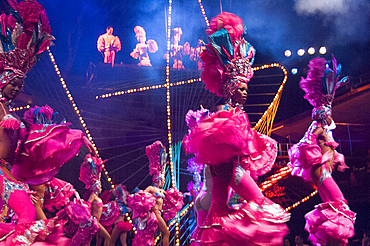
[287, 53]
[311, 51]
[300, 52]
[322, 50]
[294, 70]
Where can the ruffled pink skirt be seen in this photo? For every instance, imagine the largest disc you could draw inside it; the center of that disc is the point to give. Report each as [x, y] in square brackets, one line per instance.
[227, 134]
[81, 226]
[307, 153]
[330, 221]
[260, 222]
[109, 215]
[146, 221]
[47, 148]
[40, 232]
[58, 194]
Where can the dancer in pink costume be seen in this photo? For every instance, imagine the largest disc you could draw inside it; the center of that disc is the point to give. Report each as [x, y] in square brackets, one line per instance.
[46, 148]
[143, 47]
[157, 156]
[195, 186]
[170, 201]
[27, 33]
[80, 226]
[226, 142]
[90, 173]
[314, 157]
[142, 204]
[109, 44]
[121, 226]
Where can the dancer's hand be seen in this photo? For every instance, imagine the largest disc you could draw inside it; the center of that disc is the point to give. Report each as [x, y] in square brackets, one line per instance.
[89, 145]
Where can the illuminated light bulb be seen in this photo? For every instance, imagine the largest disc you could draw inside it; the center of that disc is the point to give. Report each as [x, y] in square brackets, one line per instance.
[322, 50]
[287, 53]
[300, 52]
[311, 51]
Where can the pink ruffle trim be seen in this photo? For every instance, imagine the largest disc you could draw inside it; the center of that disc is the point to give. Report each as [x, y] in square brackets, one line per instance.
[109, 215]
[172, 203]
[10, 124]
[330, 220]
[124, 226]
[260, 222]
[46, 150]
[62, 192]
[141, 203]
[227, 134]
[304, 155]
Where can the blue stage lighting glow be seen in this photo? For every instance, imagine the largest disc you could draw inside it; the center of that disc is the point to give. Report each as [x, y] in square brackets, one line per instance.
[294, 70]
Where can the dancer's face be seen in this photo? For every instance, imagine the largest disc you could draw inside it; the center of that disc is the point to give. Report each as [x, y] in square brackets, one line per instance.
[141, 38]
[110, 31]
[240, 95]
[13, 89]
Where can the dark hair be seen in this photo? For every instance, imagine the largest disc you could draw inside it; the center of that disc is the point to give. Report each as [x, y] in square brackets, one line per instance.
[109, 27]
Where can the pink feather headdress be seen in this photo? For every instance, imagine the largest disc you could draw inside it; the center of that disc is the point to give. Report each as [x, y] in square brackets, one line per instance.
[27, 33]
[157, 156]
[228, 58]
[90, 172]
[139, 31]
[193, 166]
[320, 85]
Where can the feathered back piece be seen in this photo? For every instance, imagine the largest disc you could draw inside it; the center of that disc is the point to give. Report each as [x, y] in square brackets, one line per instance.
[25, 33]
[90, 172]
[228, 58]
[193, 166]
[40, 115]
[320, 85]
[157, 156]
[121, 193]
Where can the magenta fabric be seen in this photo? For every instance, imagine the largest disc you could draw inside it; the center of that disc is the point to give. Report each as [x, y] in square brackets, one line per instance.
[124, 226]
[27, 229]
[330, 220]
[82, 227]
[227, 134]
[46, 149]
[307, 153]
[259, 222]
[109, 215]
[141, 204]
[58, 195]
[172, 203]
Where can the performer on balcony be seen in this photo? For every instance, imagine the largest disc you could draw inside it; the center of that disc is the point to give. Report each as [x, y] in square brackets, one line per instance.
[176, 50]
[225, 141]
[143, 47]
[109, 45]
[314, 157]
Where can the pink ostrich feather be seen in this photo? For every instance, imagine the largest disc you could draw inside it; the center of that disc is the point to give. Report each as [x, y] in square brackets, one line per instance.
[312, 84]
[231, 22]
[193, 166]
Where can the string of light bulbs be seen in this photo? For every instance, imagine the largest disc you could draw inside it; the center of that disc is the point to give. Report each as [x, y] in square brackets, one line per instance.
[145, 88]
[203, 12]
[77, 111]
[20, 108]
